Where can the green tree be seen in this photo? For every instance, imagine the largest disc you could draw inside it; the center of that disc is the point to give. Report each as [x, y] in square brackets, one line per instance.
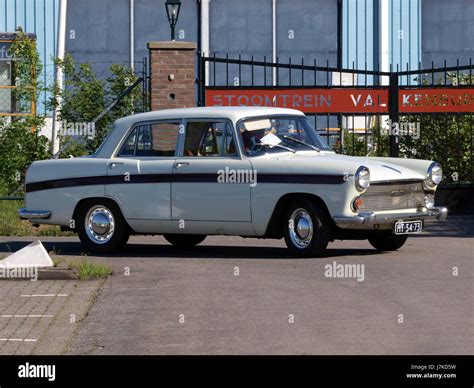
[20, 141]
[357, 144]
[446, 138]
[85, 96]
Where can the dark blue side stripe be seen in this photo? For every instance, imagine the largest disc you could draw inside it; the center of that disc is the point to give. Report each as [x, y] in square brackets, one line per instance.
[168, 178]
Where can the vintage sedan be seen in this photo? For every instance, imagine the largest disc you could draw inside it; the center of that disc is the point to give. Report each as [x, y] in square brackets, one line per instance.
[246, 171]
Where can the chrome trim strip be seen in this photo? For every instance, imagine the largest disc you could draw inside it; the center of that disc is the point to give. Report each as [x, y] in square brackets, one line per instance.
[33, 214]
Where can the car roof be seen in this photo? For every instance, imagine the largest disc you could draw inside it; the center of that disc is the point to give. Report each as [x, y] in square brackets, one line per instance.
[232, 112]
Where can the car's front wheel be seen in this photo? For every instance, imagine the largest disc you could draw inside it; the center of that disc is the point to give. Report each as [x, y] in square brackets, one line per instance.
[306, 228]
[387, 241]
[101, 226]
[184, 240]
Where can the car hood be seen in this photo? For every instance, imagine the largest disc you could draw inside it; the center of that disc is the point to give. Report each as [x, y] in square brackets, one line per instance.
[380, 169]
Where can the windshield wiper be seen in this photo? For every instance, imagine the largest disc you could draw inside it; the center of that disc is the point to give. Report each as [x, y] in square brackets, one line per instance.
[301, 142]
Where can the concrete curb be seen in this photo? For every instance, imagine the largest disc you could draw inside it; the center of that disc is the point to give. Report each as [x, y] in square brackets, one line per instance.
[56, 274]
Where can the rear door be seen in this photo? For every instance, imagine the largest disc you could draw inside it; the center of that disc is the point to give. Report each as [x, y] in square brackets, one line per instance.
[139, 177]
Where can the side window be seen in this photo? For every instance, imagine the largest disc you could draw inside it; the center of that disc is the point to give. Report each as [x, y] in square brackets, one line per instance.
[144, 141]
[208, 139]
[164, 137]
[155, 139]
[128, 148]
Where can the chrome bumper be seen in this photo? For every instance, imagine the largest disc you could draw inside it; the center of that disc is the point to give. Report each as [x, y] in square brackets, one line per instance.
[33, 214]
[373, 220]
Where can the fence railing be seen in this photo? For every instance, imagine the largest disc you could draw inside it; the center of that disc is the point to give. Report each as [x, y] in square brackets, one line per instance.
[423, 113]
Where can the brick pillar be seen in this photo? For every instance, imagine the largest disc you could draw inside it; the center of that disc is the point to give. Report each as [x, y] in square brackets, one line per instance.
[172, 74]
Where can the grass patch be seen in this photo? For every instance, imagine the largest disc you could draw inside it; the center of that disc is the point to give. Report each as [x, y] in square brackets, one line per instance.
[86, 270]
[11, 225]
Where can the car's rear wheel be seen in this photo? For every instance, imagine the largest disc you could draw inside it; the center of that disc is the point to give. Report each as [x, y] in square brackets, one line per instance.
[306, 229]
[184, 240]
[101, 226]
[387, 241]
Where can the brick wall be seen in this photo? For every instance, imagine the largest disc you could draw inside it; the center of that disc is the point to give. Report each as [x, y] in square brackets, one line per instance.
[172, 74]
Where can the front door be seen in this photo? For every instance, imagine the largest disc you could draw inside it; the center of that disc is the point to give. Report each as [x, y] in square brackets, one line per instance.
[210, 180]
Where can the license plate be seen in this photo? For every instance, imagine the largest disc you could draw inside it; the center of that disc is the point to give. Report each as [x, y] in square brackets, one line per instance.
[408, 227]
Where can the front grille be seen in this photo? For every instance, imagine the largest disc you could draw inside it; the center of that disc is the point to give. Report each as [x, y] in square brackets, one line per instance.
[393, 196]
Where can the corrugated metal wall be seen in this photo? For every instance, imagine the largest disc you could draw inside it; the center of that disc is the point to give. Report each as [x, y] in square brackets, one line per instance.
[306, 30]
[41, 18]
[405, 34]
[361, 37]
[358, 35]
[98, 30]
[448, 32]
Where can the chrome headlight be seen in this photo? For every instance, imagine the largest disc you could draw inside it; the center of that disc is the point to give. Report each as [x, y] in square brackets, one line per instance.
[433, 175]
[362, 178]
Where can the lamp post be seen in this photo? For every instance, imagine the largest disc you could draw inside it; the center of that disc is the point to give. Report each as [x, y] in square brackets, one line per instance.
[172, 10]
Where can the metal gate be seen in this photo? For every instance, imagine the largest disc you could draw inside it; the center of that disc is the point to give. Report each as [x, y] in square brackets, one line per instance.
[426, 114]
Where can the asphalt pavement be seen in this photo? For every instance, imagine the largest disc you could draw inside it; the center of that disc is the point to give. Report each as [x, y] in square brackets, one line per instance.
[232, 295]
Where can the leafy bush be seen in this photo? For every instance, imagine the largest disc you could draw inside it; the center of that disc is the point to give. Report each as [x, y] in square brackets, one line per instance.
[85, 96]
[20, 142]
[446, 138]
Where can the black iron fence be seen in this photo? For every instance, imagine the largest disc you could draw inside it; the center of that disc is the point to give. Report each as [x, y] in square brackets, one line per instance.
[143, 73]
[426, 114]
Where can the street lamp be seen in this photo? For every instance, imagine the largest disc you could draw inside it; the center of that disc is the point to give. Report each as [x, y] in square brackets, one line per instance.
[172, 10]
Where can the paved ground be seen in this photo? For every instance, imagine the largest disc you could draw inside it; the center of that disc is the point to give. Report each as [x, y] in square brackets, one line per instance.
[233, 295]
[41, 317]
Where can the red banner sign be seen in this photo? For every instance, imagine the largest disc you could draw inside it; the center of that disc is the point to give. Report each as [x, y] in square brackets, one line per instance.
[347, 100]
[436, 100]
[306, 100]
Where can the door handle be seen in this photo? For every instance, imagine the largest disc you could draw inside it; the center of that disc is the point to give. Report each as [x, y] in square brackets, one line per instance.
[115, 164]
[181, 165]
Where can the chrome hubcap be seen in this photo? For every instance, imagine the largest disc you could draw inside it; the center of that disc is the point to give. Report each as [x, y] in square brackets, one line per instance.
[300, 226]
[100, 224]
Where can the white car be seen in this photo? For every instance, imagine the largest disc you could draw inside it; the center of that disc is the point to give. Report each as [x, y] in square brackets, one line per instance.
[246, 171]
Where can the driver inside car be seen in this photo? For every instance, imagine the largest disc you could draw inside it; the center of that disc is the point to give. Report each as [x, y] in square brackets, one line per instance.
[252, 138]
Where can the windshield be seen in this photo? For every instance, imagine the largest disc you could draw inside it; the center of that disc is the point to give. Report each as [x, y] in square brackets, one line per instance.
[292, 133]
